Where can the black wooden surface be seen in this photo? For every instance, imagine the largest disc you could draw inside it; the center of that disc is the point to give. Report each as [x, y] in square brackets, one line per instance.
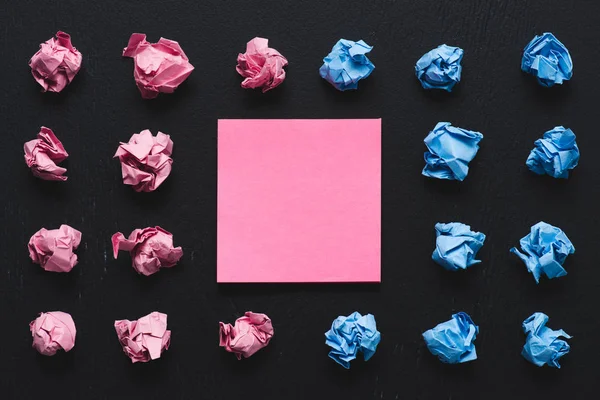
[500, 197]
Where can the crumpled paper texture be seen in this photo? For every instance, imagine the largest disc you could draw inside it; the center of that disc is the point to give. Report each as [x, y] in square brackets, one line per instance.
[53, 249]
[250, 333]
[145, 160]
[555, 154]
[452, 341]
[157, 67]
[351, 335]
[450, 149]
[546, 249]
[456, 246]
[42, 155]
[543, 345]
[548, 60]
[261, 66]
[56, 63]
[440, 68]
[347, 64]
[144, 339]
[150, 249]
[53, 331]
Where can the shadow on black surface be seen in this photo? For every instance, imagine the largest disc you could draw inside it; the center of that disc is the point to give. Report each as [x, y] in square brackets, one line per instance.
[459, 372]
[364, 94]
[151, 373]
[278, 288]
[557, 95]
[447, 187]
[50, 190]
[439, 95]
[165, 102]
[150, 201]
[62, 363]
[60, 98]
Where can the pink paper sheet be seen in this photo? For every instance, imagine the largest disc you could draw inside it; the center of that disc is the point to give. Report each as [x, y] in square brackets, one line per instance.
[299, 201]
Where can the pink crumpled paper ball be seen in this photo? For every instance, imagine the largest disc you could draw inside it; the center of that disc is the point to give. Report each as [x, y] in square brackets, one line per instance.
[53, 331]
[56, 63]
[42, 155]
[150, 249]
[157, 67]
[145, 339]
[251, 333]
[145, 160]
[261, 65]
[53, 249]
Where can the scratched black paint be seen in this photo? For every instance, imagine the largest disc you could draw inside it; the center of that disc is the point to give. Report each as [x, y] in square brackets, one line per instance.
[500, 197]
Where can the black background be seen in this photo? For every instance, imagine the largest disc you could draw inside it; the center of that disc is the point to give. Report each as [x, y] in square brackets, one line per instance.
[500, 197]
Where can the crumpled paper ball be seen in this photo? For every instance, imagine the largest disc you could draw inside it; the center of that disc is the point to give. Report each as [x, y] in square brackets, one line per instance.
[456, 246]
[145, 160]
[251, 333]
[145, 339]
[261, 65]
[452, 341]
[555, 154]
[347, 64]
[440, 68]
[350, 335]
[547, 247]
[53, 249]
[450, 149]
[42, 155]
[548, 60]
[543, 346]
[157, 67]
[53, 331]
[56, 63]
[150, 249]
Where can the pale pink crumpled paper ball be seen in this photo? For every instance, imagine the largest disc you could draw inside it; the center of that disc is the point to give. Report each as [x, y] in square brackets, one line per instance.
[150, 249]
[157, 67]
[56, 63]
[251, 333]
[42, 155]
[53, 331]
[261, 65]
[145, 339]
[145, 160]
[53, 249]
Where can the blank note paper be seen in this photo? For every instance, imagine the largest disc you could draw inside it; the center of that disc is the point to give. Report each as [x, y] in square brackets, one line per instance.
[299, 201]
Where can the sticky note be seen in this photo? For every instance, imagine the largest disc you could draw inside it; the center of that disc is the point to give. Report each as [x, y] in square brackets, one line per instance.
[299, 201]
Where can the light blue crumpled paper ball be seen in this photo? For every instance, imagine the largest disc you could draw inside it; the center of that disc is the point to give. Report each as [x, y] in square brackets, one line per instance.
[452, 341]
[548, 60]
[547, 247]
[450, 149]
[350, 335]
[347, 64]
[555, 154]
[456, 246]
[543, 346]
[440, 68]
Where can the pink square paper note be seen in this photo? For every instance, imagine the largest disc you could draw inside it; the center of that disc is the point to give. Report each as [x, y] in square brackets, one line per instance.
[299, 200]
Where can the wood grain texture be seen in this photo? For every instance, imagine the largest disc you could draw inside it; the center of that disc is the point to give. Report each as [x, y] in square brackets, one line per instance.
[499, 197]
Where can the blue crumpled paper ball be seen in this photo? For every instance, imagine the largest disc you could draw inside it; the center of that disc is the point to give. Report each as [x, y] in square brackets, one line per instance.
[350, 335]
[548, 59]
[440, 68]
[456, 246]
[543, 345]
[555, 154]
[450, 151]
[547, 247]
[452, 341]
[347, 64]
